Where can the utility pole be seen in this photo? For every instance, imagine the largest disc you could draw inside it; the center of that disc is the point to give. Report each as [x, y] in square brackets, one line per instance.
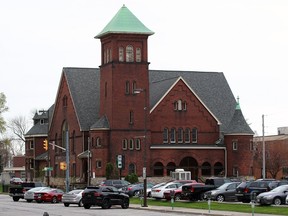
[263, 149]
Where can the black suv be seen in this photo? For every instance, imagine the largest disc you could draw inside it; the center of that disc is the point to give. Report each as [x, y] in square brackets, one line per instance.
[247, 189]
[115, 183]
[104, 196]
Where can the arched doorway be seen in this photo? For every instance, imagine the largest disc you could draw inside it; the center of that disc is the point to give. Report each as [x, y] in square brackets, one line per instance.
[218, 169]
[206, 169]
[190, 164]
[158, 169]
[170, 168]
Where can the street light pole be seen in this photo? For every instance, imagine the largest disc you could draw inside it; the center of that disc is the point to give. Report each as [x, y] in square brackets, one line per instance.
[138, 91]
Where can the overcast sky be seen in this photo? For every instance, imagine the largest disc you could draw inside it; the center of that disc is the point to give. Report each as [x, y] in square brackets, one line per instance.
[247, 40]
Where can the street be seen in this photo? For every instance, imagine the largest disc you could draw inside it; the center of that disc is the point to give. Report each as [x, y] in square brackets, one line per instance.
[10, 208]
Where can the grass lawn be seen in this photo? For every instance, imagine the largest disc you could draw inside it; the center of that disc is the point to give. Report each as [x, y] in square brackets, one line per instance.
[235, 207]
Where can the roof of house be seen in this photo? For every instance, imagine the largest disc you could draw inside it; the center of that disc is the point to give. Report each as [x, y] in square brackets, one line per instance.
[125, 22]
[211, 87]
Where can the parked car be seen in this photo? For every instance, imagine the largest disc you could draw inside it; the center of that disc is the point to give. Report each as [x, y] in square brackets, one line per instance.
[135, 189]
[245, 190]
[17, 191]
[277, 196]
[16, 181]
[29, 194]
[53, 195]
[178, 192]
[73, 197]
[104, 196]
[277, 183]
[115, 183]
[225, 192]
[158, 192]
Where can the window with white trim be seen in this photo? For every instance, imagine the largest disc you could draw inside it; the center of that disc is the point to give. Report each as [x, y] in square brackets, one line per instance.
[180, 135]
[129, 53]
[165, 135]
[194, 135]
[121, 54]
[187, 135]
[173, 135]
[131, 144]
[138, 144]
[98, 164]
[124, 144]
[235, 145]
[138, 54]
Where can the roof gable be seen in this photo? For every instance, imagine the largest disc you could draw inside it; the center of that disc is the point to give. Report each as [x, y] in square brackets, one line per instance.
[125, 22]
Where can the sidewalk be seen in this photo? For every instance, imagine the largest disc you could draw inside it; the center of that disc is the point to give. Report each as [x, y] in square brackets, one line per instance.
[189, 211]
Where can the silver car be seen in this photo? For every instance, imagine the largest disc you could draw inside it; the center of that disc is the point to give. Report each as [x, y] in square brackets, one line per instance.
[73, 197]
[225, 192]
[277, 196]
[29, 195]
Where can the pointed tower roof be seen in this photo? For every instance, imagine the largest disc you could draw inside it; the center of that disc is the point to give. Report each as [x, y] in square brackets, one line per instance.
[238, 124]
[125, 22]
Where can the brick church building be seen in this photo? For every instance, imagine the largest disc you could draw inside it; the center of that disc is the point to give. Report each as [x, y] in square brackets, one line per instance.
[158, 119]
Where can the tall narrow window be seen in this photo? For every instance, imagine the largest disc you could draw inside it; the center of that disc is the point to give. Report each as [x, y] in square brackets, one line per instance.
[235, 145]
[131, 117]
[131, 144]
[110, 54]
[184, 105]
[124, 144]
[194, 135]
[180, 135]
[121, 54]
[172, 135]
[98, 142]
[165, 135]
[64, 100]
[127, 87]
[107, 56]
[129, 54]
[134, 86]
[138, 144]
[138, 54]
[179, 106]
[187, 135]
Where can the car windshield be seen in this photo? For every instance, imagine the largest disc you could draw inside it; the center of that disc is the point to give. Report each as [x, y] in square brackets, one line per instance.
[280, 188]
[224, 186]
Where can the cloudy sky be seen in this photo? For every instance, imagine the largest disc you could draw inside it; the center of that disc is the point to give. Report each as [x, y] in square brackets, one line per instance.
[247, 40]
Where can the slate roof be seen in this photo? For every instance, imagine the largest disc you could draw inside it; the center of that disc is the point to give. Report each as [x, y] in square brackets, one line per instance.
[39, 129]
[211, 87]
[125, 22]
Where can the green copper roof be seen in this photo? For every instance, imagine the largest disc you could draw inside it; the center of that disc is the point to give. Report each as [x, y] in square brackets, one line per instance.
[125, 22]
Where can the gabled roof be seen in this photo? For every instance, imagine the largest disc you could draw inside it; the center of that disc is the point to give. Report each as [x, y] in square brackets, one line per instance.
[211, 87]
[125, 22]
[101, 124]
[84, 87]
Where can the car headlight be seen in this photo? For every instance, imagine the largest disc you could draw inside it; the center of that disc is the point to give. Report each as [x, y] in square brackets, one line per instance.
[213, 192]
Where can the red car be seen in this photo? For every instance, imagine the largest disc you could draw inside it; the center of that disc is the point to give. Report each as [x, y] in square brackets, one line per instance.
[178, 192]
[52, 195]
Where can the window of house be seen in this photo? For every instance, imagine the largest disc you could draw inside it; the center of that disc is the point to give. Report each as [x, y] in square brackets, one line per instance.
[175, 105]
[124, 144]
[98, 164]
[173, 135]
[98, 141]
[131, 117]
[31, 163]
[184, 105]
[180, 135]
[64, 101]
[179, 105]
[235, 145]
[194, 135]
[165, 135]
[121, 54]
[131, 144]
[187, 135]
[134, 86]
[132, 168]
[235, 171]
[138, 144]
[138, 54]
[127, 87]
[31, 144]
[42, 121]
[129, 54]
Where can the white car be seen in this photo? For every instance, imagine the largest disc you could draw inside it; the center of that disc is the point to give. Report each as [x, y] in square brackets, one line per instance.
[158, 192]
[73, 197]
[29, 195]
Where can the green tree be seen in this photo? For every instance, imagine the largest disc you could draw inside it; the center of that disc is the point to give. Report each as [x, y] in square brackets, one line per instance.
[3, 108]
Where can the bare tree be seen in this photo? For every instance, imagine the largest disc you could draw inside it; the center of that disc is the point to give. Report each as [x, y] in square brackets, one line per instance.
[3, 108]
[275, 163]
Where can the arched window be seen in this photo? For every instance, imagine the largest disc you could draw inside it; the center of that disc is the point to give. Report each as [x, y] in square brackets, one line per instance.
[131, 144]
[180, 135]
[124, 144]
[165, 135]
[173, 135]
[184, 105]
[98, 141]
[127, 87]
[218, 169]
[138, 54]
[64, 100]
[138, 144]
[121, 54]
[170, 168]
[206, 169]
[194, 135]
[132, 168]
[158, 169]
[187, 135]
[179, 105]
[129, 54]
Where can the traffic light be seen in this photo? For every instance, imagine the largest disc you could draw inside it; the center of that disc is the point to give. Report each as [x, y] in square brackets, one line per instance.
[63, 166]
[45, 144]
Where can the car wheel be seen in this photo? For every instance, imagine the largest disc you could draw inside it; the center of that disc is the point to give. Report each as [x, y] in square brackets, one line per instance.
[177, 197]
[149, 194]
[220, 198]
[277, 201]
[16, 199]
[125, 203]
[29, 200]
[66, 204]
[54, 200]
[80, 204]
[39, 201]
[136, 193]
[106, 203]
[87, 206]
